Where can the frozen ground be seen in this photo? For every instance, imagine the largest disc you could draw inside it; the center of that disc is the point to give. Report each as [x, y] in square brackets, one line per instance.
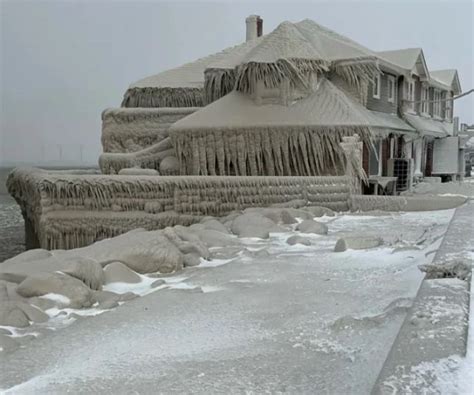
[278, 318]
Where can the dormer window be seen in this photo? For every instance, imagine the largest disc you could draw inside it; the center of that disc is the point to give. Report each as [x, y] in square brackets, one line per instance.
[376, 87]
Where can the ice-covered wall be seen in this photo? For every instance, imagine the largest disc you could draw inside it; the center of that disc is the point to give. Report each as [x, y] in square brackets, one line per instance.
[72, 210]
[133, 129]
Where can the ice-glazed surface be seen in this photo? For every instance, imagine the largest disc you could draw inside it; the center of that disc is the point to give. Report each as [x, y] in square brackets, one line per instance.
[271, 318]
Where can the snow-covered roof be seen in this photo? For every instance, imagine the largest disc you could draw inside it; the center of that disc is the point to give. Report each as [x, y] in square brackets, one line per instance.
[409, 59]
[327, 105]
[429, 126]
[191, 75]
[448, 77]
[303, 40]
[405, 58]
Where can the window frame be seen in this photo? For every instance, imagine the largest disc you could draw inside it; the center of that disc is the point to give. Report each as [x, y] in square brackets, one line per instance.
[425, 97]
[409, 93]
[436, 103]
[376, 95]
[448, 110]
[391, 83]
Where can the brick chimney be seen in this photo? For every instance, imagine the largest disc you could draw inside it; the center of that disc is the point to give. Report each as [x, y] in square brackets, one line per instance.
[254, 26]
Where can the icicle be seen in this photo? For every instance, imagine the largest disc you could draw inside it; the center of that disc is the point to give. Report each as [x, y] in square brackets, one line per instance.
[163, 97]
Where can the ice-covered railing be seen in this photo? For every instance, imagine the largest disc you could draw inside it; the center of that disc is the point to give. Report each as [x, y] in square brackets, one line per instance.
[147, 158]
[68, 210]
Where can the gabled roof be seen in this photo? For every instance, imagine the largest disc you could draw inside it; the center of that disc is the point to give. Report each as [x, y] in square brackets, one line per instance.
[410, 59]
[448, 77]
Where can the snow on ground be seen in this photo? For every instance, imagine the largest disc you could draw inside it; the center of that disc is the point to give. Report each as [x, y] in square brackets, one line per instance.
[465, 377]
[343, 309]
[419, 232]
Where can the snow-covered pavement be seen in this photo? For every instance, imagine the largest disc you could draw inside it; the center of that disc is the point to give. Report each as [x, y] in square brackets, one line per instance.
[277, 318]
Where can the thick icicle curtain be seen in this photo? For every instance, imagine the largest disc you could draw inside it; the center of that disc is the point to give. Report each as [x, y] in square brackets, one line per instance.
[163, 97]
[218, 83]
[244, 78]
[357, 74]
[264, 151]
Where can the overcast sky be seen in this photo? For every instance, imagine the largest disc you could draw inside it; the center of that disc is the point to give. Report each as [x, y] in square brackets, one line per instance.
[63, 62]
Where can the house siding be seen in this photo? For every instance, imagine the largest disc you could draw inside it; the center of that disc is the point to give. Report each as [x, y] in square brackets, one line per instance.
[382, 104]
[350, 90]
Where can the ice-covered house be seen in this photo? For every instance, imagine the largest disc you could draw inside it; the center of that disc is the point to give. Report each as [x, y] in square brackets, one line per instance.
[268, 121]
[288, 96]
[422, 98]
[403, 115]
[388, 85]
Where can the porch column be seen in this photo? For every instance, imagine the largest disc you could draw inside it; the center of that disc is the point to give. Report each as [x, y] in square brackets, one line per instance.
[418, 153]
[380, 154]
[352, 147]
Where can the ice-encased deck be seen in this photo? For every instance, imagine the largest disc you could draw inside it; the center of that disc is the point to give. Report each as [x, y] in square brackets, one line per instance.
[65, 210]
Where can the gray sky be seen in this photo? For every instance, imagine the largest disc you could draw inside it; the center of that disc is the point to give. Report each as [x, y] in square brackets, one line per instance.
[63, 62]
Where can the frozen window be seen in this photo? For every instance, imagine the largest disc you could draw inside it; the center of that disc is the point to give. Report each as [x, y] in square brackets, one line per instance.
[376, 87]
[391, 88]
[410, 94]
[424, 101]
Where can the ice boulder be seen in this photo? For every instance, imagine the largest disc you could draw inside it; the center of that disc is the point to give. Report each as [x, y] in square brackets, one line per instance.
[57, 283]
[214, 225]
[12, 315]
[311, 226]
[318, 211]
[214, 238]
[357, 243]
[296, 239]
[169, 166]
[117, 272]
[254, 225]
[87, 270]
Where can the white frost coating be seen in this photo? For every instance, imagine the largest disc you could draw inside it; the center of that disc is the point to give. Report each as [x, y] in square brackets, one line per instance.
[320, 259]
[132, 129]
[235, 136]
[147, 158]
[214, 262]
[136, 171]
[57, 298]
[465, 377]
[181, 86]
[68, 211]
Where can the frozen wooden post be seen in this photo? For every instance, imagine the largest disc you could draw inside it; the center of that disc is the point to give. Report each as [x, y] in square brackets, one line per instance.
[352, 147]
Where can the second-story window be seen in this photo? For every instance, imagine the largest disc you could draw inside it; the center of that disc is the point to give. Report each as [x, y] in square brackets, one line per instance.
[391, 88]
[424, 100]
[376, 87]
[449, 107]
[437, 103]
[410, 94]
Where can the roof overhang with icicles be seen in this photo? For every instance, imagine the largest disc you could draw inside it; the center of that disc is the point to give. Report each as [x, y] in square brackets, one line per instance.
[326, 106]
[234, 135]
[292, 52]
